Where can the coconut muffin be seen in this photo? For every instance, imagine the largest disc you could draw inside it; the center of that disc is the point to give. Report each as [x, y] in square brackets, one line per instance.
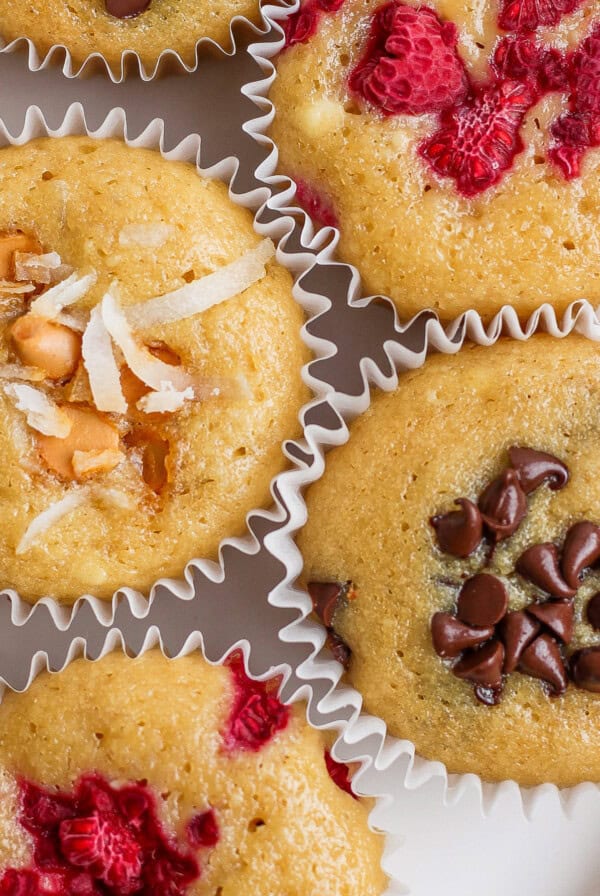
[452, 550]
[142, 413]
[107, 787]
[454, 145]
[111, 27]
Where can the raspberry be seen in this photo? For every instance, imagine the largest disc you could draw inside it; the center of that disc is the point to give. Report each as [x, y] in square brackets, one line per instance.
[19, 883]
[256, 715]
[338, 772]
[411, 65]
[528, 15]
[477, 141]
[300, 26]
[579, 129]
[104, 845]
[203, 830]
[316, 206]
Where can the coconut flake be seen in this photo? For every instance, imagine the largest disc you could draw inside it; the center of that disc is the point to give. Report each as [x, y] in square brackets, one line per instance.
[48, 518]
[166, 401]
[195, 297]
[72, 321]
[7, 287]
[114, 497]
[102, 370]
[89, 463]
[150, 370]
[19, 372]
[52, 302]
[42, 414]
[46, 268]
[149, 236]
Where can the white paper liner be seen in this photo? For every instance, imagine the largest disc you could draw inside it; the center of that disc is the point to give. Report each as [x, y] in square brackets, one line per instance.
[131, 61]
[188, 150]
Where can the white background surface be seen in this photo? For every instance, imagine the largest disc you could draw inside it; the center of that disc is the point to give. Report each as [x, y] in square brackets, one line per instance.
[438, 849]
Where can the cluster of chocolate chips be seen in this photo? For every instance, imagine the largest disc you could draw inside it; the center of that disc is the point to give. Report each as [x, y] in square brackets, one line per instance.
[327, 597]
[487, 640]
[126, 9]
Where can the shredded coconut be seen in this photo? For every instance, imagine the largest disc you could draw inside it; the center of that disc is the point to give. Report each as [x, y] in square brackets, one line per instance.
[48, 518]
[15, 289]
[20, 372]
[150, 236]
[46, 268]
[102, 370]
[42, 414]
[165, 401]
[52, 302]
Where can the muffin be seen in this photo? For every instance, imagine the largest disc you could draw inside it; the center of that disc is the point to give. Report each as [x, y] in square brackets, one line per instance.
[142, 410]
[454, 145]
[201, 782]
[112, 27]
[452, 550]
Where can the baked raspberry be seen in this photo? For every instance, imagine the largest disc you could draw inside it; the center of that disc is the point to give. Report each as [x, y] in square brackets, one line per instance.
[316, 206]
[103, 844]
[478, 140]
[411, 65]
[579, 129]
[303, 23]
[520, 58]
[339, 773]
[203, 830]
[256, 715]
[528, 15]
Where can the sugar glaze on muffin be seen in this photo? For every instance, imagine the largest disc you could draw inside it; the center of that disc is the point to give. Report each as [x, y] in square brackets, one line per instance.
[454, 146]
[142, 410]
[205, 783]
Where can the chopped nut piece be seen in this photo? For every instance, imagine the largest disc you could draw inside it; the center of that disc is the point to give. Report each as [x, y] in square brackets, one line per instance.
[153, 453]
[46, 269]
[17, 241]
[52, 347]
[90, 463]
[89, 432]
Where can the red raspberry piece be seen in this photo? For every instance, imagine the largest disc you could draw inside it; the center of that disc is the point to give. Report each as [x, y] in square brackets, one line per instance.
[103, 844]
[528, 15]
[316, 206]
[203, 830]
[301, 26]
[339, 773]
[411, 65]
[19, 883]
[519, 58]
[256, 715]
[477, 141]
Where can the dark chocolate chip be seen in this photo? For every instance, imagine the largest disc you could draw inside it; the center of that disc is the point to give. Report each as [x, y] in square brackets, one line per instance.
[557, 615]
[482, 666]
[326, 598]
[482, 600]
[535, 467]
[592, 611]
[488, 696]
[339, 648]
[126, 9]
[581, 549]
[585, 669]
[539, 564]
[450, 636]
[503, 505]
[543, 660]
[516, 631]
[459, 532]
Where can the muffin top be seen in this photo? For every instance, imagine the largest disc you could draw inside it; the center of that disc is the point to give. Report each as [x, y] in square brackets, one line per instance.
[171, 776]
[453, 144]
[111, 27]
[142, 414]
[472, 628]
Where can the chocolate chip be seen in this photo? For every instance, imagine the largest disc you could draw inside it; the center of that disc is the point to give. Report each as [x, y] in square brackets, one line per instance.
[126, 9]
[516, 631]
[535, 467]
[326, 598]
[539, 564]
[482, 600]
[557, 615]
[592, 611]
[581, 549]
[450, 636]
[503, 505]
[339, 648]
[459, 532]
[585, 669]
[482, 666]
[543, 660]
[488, 696]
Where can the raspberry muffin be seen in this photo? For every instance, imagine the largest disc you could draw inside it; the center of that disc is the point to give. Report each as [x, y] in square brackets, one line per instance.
[452, 549]
[107, 789]
[150, 367]
[455, 146]
[111, 27]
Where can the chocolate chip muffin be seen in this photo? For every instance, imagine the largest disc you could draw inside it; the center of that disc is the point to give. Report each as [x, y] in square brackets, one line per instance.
[107, 787]
[150, 367]
[452, 549]
[454, 145]
[111, 27]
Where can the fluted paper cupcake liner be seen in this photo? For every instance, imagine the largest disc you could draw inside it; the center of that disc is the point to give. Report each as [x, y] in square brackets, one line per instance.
[130, 61]
[189, 150]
